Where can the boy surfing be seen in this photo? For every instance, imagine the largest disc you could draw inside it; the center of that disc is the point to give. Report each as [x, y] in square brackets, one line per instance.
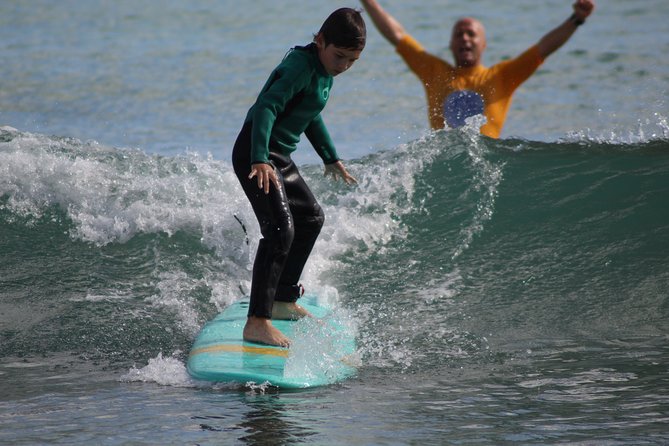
[290, 218]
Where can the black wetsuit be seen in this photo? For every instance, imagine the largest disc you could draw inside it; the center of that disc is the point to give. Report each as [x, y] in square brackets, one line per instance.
[290, 218]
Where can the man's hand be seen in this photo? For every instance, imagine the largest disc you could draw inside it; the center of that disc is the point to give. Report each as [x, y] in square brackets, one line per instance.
[338, 170]
[558, 36]
[583, 8]
[387, 25]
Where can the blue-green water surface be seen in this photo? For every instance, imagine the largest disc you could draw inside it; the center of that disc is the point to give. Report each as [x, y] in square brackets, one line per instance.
[510, 291]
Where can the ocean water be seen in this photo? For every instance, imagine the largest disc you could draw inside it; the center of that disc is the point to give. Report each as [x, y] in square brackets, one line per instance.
[510, 291]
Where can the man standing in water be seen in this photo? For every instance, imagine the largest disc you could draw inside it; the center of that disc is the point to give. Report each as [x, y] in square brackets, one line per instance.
[455, 93]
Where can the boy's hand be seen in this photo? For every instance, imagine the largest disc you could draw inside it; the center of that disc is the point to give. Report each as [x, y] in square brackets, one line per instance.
[338, 170]
[266, 175]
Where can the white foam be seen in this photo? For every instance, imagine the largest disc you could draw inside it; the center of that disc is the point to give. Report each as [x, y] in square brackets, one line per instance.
[487, 176]
[317, 350]
[111, 195]
[647, 129]
[170, 371]
[165, 371]
[367, 216]
[108, 296]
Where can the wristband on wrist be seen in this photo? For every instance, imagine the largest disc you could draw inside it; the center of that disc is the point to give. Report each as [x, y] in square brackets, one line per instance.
[578, 22]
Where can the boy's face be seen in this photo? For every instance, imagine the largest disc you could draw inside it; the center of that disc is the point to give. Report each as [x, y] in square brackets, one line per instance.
[336, 60]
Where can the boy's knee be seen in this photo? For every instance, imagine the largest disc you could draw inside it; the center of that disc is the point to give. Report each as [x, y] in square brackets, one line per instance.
[279, 236]
[286, 237]
[315, 222]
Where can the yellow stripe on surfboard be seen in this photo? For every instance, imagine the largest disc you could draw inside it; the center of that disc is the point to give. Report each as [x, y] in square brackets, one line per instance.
[240, 349]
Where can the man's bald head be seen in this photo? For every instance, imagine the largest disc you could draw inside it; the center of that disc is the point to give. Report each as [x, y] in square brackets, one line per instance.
[468, 42]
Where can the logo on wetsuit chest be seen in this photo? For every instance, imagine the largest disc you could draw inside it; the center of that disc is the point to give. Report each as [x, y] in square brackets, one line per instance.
[326, 93]
[461, 105]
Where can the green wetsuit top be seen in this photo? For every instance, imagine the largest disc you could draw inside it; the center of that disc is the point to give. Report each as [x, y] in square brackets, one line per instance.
[290, 104]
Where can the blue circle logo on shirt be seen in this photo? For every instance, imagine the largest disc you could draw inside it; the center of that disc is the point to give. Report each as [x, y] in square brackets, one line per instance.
[460, 105]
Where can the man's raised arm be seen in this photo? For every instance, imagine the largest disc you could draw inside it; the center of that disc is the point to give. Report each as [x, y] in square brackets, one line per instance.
[390, 28]
[557, 37]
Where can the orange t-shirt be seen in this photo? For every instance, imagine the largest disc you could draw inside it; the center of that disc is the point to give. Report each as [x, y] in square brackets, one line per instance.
[492, 86]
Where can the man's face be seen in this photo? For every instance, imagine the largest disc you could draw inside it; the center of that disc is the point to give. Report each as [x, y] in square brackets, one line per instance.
[468, 42]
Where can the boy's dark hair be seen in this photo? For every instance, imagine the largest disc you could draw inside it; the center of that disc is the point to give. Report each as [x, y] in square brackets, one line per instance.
[345, 28]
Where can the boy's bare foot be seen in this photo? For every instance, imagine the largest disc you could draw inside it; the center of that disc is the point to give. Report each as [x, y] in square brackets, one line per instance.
[261, 330]
[288, 310]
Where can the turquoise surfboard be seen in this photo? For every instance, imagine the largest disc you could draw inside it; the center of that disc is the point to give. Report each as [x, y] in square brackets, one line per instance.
[322, 351]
